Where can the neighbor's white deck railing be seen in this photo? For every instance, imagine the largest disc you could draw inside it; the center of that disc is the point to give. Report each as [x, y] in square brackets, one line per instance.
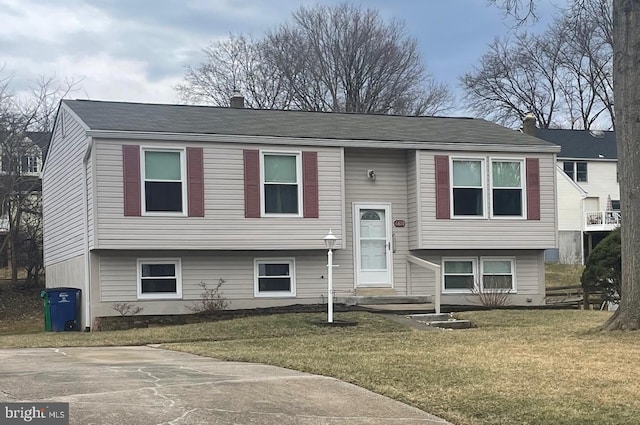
[602, 220]
[429, 266]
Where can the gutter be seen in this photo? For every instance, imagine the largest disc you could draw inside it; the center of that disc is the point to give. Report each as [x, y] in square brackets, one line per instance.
[544, 147]
[87, 261]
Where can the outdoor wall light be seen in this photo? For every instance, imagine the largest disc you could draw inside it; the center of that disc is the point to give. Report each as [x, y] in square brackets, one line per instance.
[371, 174]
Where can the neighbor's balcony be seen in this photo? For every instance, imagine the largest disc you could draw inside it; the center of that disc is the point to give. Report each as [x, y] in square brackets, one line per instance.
[601, 220]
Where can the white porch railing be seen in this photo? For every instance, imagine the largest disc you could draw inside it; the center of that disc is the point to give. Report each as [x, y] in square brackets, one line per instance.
[601, 220]
[435, 268]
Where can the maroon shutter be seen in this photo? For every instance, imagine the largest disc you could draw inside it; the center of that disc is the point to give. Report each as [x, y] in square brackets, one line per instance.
[533, 189]
[131, 180]
[195, 182]
[251, 183]
[443, 207]
[310, 184]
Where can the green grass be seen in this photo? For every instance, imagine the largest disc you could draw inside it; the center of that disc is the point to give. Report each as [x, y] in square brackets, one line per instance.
[563, 274]
[518, 367]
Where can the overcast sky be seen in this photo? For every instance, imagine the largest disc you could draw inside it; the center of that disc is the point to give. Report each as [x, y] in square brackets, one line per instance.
[136, 50]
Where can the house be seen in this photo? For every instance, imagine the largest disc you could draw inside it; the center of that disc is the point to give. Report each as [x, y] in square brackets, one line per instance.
[143, 202]
[588, 191]
[20, 166]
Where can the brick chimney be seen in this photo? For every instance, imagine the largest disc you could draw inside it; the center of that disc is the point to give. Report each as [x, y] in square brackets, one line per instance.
[529, 125]
[237, 100]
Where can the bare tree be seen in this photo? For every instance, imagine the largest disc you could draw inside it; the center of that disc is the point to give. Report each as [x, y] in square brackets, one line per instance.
[625, 38]
[326, 58]
[514, 78]
[563, 76]
[626, 21]
[20, 189]
[238, 63]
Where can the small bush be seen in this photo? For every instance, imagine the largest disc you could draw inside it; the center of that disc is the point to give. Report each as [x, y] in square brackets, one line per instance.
[603, 271]
[211, 300]
[492, 295]
[126, 309]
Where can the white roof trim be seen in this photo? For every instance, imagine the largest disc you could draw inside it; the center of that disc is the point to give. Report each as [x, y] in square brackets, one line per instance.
[564, 175]
[272, 140]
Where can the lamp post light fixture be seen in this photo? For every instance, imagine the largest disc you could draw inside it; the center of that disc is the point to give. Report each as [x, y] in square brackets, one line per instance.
[329, 243]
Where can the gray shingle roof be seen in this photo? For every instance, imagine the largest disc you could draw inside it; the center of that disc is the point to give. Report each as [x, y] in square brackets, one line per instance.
[582, 143]
[143, 117]
[40, 138]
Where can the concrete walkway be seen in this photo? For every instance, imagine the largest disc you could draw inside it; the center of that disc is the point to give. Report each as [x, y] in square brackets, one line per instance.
[144, 385]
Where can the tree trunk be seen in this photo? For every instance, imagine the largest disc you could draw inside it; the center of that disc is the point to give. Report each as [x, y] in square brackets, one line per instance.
[626, 52]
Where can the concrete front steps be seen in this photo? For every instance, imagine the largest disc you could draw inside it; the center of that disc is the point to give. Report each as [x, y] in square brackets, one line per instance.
[443, 320]
[386, 299]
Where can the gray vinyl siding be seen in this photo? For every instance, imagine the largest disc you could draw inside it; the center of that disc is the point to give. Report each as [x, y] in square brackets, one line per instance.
[224, 225]
[529, 275]
[68, 273]
[487, 233]
[390, 186]
[62, 192]
[90, 209]
[118, 279]
[413, 224]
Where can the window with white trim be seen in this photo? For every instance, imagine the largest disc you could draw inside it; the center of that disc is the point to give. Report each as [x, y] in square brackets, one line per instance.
[274, 277]
[461, 275]
[29, 164]
[468, 187]
[159, 278]
[164, 188]
[507, 183]
[497, 274]
[458, 274]
[281, 183]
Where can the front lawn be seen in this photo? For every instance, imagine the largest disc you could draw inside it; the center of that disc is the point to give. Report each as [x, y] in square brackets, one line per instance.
[517, 367]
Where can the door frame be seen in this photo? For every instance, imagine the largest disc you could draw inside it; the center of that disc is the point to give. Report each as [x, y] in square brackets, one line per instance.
[386, 206]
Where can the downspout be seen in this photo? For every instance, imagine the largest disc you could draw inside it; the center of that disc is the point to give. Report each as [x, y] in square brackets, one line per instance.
[87, 261]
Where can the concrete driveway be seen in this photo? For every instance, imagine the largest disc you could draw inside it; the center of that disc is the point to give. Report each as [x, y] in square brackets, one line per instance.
[145, 385]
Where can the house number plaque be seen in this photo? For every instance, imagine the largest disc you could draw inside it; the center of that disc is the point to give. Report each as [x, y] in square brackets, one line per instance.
[399, 223]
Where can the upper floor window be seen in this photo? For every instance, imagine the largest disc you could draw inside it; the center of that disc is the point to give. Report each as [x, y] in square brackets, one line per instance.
[576, 170]
[507, 188]
[29, 164]
[164, 182]
[281, 177]
[468, 187]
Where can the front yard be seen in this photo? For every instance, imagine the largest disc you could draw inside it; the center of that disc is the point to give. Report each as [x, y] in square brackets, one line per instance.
[517, 367]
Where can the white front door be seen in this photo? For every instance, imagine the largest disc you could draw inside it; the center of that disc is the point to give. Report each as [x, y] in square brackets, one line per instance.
[372, 244]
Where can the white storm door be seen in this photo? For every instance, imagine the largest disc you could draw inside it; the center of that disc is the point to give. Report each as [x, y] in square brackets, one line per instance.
[372, 241]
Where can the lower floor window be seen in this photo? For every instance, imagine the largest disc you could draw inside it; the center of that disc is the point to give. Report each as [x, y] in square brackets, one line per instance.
[497, 274]
[274, 277]
[159, 278]
[459, 274]
[462, 275]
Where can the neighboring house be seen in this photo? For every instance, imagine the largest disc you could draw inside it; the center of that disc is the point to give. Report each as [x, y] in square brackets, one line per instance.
[143, 202]
[588, 191]
[29, 155]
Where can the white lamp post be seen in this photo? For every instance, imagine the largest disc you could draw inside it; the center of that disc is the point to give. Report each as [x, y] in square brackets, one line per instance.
[329, 242]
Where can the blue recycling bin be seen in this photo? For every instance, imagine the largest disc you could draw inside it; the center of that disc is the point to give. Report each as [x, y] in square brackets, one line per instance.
[63, 306]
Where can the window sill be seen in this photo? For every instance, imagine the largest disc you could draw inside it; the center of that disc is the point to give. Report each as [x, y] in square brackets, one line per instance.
[152, 297]
[275, 295]
[164, 214]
